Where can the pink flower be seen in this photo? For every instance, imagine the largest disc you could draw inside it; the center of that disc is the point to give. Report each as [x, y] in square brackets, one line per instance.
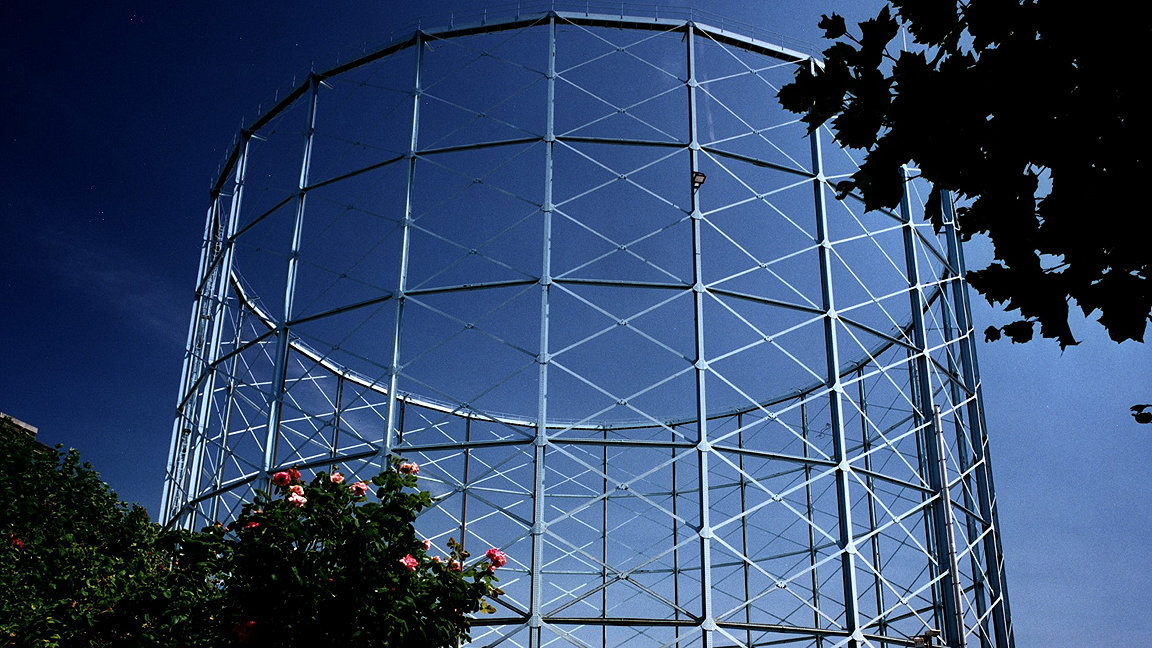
[409, 468]
[297, 489]
[251, 524]
[497, 557]
[281, 478]
[427, 545]
[453, 565]
[297, 500]
[294, 474]
[359, 488]
[337, 478]
[435, 558]
[409, 562]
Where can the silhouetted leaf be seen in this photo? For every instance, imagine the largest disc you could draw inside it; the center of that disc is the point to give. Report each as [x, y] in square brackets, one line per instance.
[929, 22]
[934, 211]
[991, 334]
[797, 96]
[1019, 110]
[1019, 331]
[833, 26]
[875, 34]
[843, 188]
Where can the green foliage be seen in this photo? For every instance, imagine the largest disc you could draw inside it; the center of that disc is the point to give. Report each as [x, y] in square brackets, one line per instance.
[78, 567]
[1029, 112]
[322, 562]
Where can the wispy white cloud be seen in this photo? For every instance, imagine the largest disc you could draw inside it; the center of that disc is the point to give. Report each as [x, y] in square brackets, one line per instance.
[124, 284]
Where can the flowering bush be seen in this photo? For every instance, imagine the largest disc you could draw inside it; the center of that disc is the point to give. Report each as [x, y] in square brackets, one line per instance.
[79, 567]
[321, 562]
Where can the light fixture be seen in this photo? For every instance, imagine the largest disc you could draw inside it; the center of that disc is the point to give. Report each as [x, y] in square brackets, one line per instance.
[697, 180]
[926, 638]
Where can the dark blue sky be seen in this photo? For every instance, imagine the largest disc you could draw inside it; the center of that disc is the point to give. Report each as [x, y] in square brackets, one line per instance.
[116, 118]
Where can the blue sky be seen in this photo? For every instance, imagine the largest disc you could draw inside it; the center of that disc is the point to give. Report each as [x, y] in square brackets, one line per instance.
[117, 118]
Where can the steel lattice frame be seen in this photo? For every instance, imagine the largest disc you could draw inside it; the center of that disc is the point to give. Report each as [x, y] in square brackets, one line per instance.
[738, 415]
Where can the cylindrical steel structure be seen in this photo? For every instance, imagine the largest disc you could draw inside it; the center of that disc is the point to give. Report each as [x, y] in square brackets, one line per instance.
[717, 410]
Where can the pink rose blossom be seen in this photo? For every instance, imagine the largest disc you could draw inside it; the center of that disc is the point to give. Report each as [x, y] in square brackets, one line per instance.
[337, 478]
[281, 478]
[297, 489]
[359, 488]
[294, 474]
[453, 565]
[427, 545]
[251, 524]
[435, 558]
[409, 562]
[497, 557]
[409, 468]
[297, 500]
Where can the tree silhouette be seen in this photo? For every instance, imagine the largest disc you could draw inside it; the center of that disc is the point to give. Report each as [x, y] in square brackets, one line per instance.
[1030, 113]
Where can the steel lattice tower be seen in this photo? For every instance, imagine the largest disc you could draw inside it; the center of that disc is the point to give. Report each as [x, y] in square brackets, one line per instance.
[735, 415]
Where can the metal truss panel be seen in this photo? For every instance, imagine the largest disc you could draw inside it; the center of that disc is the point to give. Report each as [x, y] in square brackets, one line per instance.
[737, 413]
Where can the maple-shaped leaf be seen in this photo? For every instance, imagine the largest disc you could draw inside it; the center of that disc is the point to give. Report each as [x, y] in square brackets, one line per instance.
[875, 34]
[833, 26]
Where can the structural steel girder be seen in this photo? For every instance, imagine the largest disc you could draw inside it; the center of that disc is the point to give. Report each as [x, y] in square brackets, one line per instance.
[691, 414]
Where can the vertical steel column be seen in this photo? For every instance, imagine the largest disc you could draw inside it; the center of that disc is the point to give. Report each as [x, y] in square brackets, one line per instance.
[604, 541]
[846, 541]
[336, 418]
[869, 483]
[675, 547]
[402, 274]
[283, 332]
[225, 451]
[234, 211]
[993, 554]
[703, 449]
[403, 407]
[953, 283]
[181, 427]
[464, 481]
[540, 444]
[953, 633]
[222, 273]
[744, 526]
[214, 237]
[954, 593]
[922, 469]
[809, 513]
